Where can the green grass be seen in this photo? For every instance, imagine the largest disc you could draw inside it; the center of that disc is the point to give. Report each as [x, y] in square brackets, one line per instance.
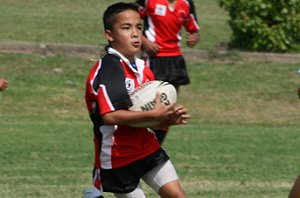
[261, 93]
[242, 140]
[80, 22]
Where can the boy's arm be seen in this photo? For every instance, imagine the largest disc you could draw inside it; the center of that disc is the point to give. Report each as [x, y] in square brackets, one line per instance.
[149, 46]
[166, 115]
[192, 38]
[192, 26]
[193, 9]
[159, 113]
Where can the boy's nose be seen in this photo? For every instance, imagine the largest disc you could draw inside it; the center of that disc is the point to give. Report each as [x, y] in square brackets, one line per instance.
[134, 32]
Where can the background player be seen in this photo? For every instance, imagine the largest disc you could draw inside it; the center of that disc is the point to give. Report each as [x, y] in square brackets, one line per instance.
[163, 21]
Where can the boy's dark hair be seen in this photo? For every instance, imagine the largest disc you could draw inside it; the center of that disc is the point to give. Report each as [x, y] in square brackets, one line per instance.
[113, 10]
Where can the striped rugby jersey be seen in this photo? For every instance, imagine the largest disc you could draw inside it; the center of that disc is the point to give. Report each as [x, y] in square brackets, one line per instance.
[108, 86]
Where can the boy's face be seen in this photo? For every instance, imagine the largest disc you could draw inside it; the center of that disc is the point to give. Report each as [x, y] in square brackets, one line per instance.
[126, 33]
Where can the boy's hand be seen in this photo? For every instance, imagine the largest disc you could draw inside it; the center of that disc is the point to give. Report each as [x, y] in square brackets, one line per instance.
[177, 115]
[3, 84]
[160, 111]
[150, 47]
[192, 39]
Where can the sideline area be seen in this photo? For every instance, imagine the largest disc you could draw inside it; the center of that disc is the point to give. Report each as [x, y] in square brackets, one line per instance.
[192, 55]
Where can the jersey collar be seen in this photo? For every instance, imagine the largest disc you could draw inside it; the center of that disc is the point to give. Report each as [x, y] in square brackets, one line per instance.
[138, 62]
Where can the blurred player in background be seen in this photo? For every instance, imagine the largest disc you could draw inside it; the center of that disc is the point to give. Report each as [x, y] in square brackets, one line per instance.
[163, 21]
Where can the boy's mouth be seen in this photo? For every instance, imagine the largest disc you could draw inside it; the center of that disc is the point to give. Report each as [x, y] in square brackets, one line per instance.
[136, 43]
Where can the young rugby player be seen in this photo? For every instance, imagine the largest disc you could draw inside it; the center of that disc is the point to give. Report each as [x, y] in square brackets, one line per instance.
[124, 154]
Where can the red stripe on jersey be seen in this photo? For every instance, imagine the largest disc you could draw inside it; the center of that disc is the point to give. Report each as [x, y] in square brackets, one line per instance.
[103, 100]
[90, 93]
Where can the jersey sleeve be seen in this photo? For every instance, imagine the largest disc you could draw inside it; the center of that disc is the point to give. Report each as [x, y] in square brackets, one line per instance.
[142, 8]
[191, 24]
[112, 93]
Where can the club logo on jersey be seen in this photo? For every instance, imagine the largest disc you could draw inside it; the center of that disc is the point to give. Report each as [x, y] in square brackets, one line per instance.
[182, 16]
[129, 83]
[160, 10]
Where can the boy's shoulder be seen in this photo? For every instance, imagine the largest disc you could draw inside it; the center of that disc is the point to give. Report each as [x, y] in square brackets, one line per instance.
[108, 63]
[111, 60]
[111, 57]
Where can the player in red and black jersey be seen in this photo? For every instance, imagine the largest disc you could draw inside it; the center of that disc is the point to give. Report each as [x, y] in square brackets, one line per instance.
[124, 154]
[163, 21]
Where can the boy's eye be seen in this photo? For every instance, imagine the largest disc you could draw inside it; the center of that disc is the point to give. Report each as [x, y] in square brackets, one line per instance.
[125, 27]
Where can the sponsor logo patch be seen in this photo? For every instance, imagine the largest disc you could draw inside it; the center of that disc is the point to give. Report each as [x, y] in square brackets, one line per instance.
[160, 10]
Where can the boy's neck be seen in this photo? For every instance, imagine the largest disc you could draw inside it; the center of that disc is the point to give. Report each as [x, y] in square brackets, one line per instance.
[131, 60]
[172, 3]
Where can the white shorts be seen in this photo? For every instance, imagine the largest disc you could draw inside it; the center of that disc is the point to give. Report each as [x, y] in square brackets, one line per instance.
[156, 178]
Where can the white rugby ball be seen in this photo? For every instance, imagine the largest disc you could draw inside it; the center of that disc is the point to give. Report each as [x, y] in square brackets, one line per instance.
[143, 98]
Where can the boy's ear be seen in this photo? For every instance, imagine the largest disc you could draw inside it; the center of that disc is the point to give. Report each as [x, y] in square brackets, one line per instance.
[108, 36]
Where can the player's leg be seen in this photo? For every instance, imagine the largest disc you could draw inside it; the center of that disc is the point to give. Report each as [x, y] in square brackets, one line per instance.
[164, 180]
[92, 192]
[160, 134]
[96, 190]
[172, 189]
[295, 191]
[124, 182]
[137, 193]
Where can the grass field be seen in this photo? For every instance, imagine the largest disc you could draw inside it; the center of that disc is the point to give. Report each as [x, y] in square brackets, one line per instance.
[243, 139]
[75, 21]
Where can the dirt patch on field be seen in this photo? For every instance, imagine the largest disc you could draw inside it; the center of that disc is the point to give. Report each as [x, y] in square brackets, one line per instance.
[191, 55]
